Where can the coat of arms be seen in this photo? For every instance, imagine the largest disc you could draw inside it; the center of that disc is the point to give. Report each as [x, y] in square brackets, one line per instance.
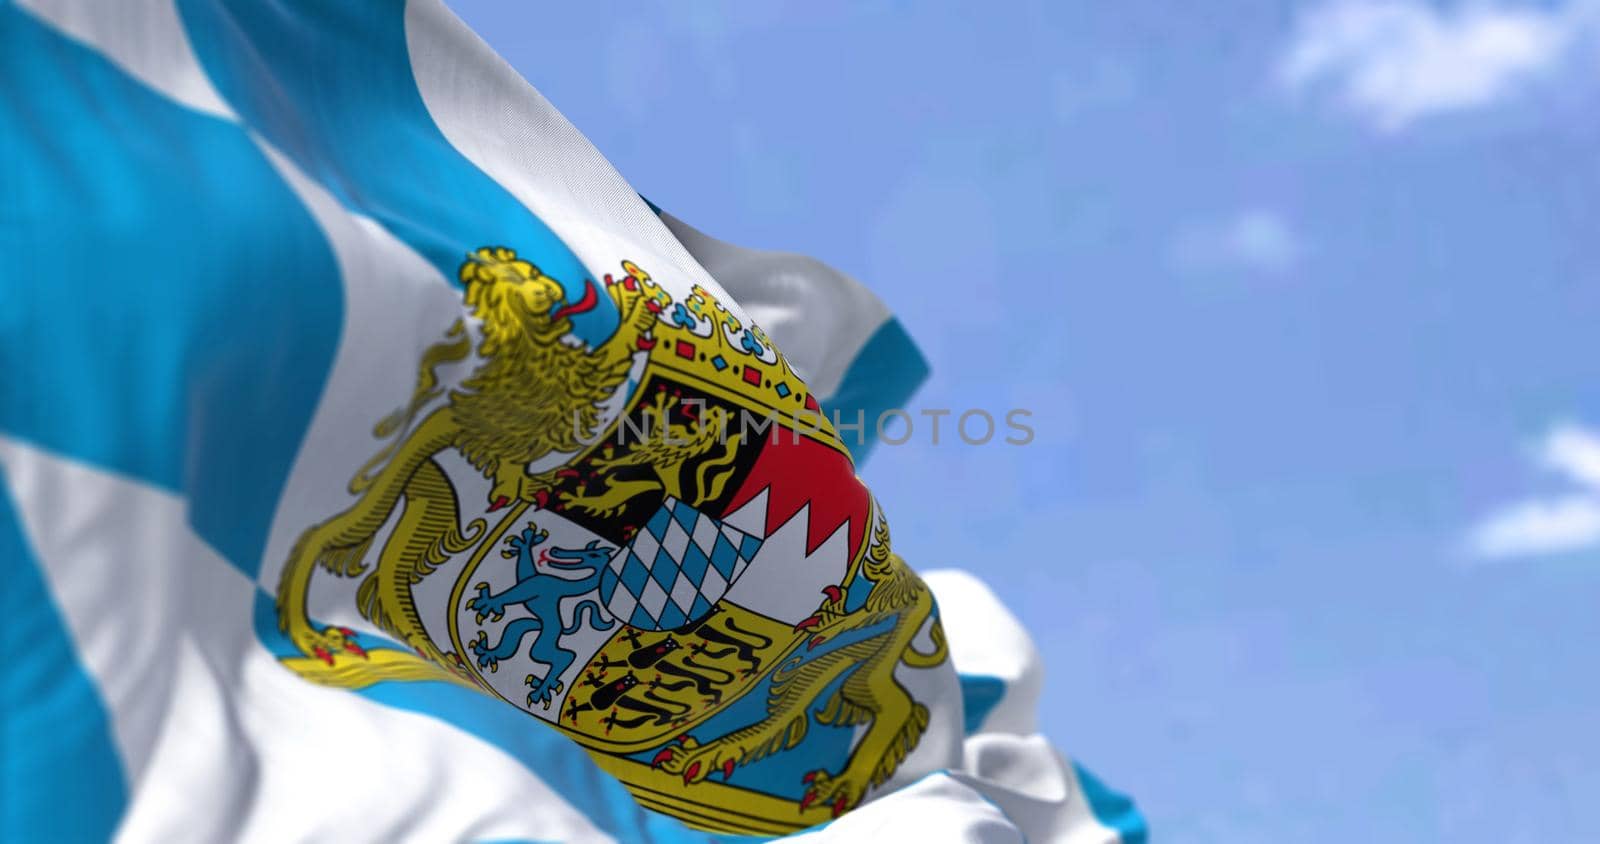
[655, 543]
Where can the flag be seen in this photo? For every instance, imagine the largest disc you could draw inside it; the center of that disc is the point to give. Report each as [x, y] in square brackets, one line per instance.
[376, 465]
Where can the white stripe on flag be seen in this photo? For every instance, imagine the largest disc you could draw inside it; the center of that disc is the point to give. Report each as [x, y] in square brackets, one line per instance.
[220, 741]
[820, 317]
[1006, 760]
[993, 643]
[396, 304]
[935, 808]
[1036, 788]
[499, 122]
[145, 38]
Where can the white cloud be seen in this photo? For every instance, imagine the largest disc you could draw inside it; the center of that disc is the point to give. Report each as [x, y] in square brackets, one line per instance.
[1396, 62]
[1568, 522]
[1255, 239]
[1575, 452]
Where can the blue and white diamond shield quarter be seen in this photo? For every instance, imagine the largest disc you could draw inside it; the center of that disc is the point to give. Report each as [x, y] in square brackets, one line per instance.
[678, 566]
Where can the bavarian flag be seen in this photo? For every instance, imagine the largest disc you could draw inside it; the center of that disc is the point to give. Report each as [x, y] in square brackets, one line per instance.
[376, 465]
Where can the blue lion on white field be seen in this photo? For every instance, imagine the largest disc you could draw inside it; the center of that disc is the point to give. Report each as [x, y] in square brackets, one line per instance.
[541, 595]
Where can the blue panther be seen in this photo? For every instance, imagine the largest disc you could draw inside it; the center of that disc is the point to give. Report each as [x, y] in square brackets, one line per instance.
[541, 595]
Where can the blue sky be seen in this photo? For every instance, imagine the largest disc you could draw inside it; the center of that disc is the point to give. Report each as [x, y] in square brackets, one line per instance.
[1303, 299]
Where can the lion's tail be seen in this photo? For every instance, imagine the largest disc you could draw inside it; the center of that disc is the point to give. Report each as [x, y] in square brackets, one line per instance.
[914, 658]
[341, 543]
[595, 614]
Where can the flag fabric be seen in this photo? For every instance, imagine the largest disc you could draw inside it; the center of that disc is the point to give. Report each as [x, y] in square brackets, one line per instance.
[847, 345]
[376, 465]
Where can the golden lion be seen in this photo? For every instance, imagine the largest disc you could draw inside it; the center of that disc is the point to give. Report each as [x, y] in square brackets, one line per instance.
[667, 452]
[533, 395]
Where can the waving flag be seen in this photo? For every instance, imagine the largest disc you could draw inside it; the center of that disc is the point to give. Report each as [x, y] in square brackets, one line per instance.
[377, 465]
